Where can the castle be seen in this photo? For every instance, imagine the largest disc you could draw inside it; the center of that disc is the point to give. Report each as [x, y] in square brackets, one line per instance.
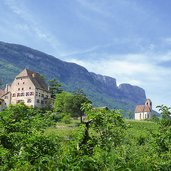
[28, 87]
[143, 111]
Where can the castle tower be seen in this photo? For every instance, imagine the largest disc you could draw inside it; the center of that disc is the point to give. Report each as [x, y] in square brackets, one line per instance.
[149, 104]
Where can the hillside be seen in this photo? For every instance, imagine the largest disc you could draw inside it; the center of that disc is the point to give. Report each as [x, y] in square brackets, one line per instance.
[101, 90]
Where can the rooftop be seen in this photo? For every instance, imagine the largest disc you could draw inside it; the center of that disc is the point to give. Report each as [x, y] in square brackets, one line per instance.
[36, 78]
[142, 108]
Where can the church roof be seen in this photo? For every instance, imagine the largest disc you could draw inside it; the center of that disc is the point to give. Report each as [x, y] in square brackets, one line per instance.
[36, 78]
[142, 108]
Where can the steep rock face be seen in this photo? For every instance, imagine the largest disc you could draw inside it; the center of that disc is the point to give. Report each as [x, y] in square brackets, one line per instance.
[102, 90]
[132, 93]
[106, 80]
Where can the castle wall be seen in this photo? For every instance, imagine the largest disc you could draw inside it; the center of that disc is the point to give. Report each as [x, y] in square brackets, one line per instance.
[41, 97]
[28, 88]
[23, 90]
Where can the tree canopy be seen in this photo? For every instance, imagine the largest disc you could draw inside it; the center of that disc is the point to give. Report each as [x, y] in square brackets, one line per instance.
[70, 103]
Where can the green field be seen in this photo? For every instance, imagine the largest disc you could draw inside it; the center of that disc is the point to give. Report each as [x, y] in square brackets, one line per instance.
[135, 129]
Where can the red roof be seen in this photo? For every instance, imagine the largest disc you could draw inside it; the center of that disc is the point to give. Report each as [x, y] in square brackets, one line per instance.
[142, 108]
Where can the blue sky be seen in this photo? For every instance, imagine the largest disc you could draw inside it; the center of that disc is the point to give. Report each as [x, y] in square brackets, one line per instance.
[129, 40]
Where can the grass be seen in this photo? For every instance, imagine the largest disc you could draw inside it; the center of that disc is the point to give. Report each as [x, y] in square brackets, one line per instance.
[135, 130]
[64, 130]
[141, 127]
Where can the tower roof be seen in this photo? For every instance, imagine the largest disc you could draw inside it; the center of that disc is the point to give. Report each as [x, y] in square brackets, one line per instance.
[148, 100]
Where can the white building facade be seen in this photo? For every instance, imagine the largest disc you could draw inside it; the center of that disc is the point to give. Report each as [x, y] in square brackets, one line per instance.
[143, 111]
[28, 87]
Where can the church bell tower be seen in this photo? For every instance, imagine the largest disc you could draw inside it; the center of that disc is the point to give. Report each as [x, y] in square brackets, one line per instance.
[149, 104]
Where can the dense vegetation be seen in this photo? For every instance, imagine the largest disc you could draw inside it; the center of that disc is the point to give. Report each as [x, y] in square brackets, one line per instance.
[32, 139]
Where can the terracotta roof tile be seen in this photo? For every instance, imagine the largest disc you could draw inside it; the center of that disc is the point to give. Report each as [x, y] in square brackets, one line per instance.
[142, 108]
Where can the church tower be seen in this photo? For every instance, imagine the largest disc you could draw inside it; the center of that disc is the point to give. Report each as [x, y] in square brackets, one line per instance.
[149, 104]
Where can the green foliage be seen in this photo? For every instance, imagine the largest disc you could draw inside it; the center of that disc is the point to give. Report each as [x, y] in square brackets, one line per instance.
[66, 118]
[63, 102]
[23, 143]
[104, 141]
[70, 103]
[108, 125]
[163, 138]
[91, 149]
[54, 87]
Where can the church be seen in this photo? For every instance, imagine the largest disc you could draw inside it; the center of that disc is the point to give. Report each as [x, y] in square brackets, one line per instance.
[28, 87]
[143, 111]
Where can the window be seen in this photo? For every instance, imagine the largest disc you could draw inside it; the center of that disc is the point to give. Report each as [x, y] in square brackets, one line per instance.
[28, 100]
[23, 82]
[30, 88]
[31, 93]
[38, 101]
[18, 83]
[13, 95]
[22, 88]
[18, 94]
[42, 102]
[18, 89]
[36, 93]
[19, 101]
[22, 94]
[27, 93]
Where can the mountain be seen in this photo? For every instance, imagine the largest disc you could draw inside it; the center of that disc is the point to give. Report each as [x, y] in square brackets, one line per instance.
[101, 90]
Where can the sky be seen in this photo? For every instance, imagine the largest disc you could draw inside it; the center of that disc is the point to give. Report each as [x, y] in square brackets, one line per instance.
[129, 40]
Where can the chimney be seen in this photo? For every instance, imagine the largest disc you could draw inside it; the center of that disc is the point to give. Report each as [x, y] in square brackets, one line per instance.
[6, 88]
[33, 75]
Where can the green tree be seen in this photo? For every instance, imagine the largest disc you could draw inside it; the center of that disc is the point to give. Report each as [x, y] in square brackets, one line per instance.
[23, 143]
[162, 139]
[78, 99]
[93, 145]
[63, 102]
[54, 87]
[70, 103]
